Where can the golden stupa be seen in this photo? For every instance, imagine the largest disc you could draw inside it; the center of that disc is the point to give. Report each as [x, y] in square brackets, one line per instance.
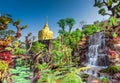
[45, 33]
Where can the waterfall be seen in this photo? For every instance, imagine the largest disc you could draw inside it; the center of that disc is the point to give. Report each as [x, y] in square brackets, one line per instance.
[97, 55]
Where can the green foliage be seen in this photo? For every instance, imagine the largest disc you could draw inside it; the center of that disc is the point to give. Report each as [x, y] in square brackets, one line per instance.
[76, 36]
[10, 32]
[5, 19]
[109, 3]
[17, 22]
[113, 21]
[8, 48]
[118, 8]
[20, 51]
[19, 62]
[5, 33]
[22, 73]
[102, 11]
[70, 22]
[57, 51]
[18, 79]
[37, 46]
[63, 74]
[104, 79]
[62, 23]
[90, 29]
[25, 26]
[58, 55]
[109, 7]
[114, 34]
[72, 39]
[111, 70]
[73, 76]
[56, 44]
[115, 1]
[42, 66]
[18, 70]
[61, 53]
[47, 76]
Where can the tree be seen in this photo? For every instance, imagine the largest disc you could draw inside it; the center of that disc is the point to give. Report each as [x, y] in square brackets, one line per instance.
[7, 37]
[2, 34]
[62, 23]
[82, 24]
[10, 32]
[4, 21]
[19, 28]
[70, 22]
[28, 41]
[113, 7]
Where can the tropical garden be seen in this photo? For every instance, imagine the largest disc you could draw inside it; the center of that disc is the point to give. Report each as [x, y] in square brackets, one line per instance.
[32, 61]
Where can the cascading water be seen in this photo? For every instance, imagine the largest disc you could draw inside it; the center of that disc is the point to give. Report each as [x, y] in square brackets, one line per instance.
[96, 56]
[97, 50]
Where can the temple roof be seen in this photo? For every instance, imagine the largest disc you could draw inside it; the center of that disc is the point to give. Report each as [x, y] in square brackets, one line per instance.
[45, 33]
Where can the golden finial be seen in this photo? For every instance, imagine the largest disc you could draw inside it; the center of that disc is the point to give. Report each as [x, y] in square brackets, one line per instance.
[47, 20]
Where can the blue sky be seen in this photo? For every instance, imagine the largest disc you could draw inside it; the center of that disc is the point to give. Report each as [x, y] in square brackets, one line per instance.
[34, 13]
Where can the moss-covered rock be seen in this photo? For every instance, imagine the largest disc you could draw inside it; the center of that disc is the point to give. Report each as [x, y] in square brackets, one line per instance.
[84, 75]
[111, 70]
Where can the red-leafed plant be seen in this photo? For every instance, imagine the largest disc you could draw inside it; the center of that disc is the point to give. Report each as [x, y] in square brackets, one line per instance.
[115, 40]
[112, 54]
[6, 56]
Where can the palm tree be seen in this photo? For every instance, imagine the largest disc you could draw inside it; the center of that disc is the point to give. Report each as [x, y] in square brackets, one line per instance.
[70, 22]
[62, 23]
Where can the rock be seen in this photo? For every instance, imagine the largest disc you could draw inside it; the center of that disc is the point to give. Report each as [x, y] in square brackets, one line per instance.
[117, 49]
[103, 60]
[114, 81]
[96, 81]
[92, 79]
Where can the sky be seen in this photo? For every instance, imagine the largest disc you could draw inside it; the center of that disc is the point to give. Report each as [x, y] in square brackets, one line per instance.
[33, 13]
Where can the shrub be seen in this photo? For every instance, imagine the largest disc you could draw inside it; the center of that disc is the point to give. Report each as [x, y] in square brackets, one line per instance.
[6, 56]
[72, 78]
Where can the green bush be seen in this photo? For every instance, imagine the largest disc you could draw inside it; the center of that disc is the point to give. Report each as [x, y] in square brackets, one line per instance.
[20, 62]
[72, 78]
[111, 70]
[37, 46]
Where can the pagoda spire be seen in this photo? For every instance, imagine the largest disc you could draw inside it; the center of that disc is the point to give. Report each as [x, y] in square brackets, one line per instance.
[45, 33]
[46, 24]
[47, 20]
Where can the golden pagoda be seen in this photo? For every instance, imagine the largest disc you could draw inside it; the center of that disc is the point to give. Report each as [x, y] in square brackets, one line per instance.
[45, 33]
